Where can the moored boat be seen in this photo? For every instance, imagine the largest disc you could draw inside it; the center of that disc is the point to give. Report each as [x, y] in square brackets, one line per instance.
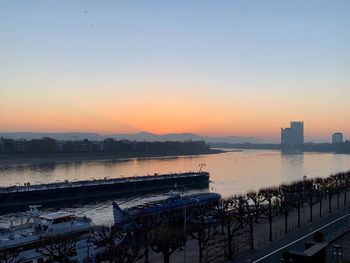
[24, 240]
[172, 207]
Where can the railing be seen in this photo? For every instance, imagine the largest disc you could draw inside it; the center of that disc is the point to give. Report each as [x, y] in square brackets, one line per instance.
[330, 231]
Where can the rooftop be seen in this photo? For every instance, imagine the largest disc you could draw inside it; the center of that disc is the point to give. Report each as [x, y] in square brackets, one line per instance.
[55, 215]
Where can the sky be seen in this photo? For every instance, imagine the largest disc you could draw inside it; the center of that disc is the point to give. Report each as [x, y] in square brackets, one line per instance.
[213, 68]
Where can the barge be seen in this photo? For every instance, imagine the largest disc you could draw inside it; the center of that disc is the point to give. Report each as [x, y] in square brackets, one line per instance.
[19, 197]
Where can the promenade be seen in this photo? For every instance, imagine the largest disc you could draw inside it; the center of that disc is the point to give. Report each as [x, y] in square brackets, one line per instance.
[264, 247]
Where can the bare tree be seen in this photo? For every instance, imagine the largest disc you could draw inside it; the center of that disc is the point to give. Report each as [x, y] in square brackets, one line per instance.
[330, 189]
[311, 195]
[320, 186]
[126, 253]
[58, 248]
[144, 225]
[298, 199]
[345, 181]
[201, 226]
[144, 238]
[120, 246]
[250, 219]
[231, 213]
[166, 239]
[270, 206]
[257, 198]
[338, 186]
[285, 196]
[108, 237]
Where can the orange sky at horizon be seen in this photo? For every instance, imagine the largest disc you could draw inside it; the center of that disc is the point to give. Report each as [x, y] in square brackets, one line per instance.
[160, 115]
[183, 107]
[177, 109]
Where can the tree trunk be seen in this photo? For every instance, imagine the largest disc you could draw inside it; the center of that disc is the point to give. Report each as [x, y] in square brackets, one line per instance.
[321, 207]
[251, 228]
[200, 248]
[270, 220]
[229, 245]
[200, 255]
[330, 204]
[345, 198]
[257, 214]
[285, 223]
[166, 256]
[270, 227]
[338, 196]
[146, 249]
[298, 209]
[311, 208]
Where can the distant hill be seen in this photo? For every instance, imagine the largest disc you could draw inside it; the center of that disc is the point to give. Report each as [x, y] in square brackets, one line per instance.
[141, 136]
[145, 136]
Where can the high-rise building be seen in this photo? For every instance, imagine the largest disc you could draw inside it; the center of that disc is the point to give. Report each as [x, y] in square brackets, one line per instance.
[292, 138]
[337, 137]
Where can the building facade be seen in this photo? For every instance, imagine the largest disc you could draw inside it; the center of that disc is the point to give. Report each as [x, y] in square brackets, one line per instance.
[292, 138]
[337, 137]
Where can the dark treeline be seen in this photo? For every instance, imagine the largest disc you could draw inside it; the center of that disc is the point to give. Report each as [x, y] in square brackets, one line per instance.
[49, 145]
[258, 146]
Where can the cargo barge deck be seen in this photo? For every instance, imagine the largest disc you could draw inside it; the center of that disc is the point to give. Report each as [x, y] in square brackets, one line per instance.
[18, 197]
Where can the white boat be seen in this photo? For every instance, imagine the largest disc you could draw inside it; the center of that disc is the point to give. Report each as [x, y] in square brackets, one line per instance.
[38, 227]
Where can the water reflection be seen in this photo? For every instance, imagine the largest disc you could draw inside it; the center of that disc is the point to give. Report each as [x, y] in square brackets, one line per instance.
[231, 172]
[293, 165]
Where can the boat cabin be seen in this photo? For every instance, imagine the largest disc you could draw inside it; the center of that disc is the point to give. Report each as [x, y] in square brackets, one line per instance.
[55, 221]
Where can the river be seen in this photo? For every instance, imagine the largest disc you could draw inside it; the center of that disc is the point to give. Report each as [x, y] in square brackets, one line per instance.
[232, 172]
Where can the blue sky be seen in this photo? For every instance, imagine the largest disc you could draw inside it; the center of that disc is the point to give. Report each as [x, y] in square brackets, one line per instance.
[248, 63]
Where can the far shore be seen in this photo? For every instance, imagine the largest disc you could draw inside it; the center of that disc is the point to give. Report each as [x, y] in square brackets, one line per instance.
[14, 160]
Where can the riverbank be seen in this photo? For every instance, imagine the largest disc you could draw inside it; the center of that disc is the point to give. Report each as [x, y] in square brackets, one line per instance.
[340, 148]
[13, 160]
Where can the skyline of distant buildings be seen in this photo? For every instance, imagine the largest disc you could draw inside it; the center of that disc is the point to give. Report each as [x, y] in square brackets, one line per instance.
[292, 138]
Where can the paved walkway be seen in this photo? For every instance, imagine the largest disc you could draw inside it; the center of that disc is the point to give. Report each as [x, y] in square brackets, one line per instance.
[261, 232]
[252, 256]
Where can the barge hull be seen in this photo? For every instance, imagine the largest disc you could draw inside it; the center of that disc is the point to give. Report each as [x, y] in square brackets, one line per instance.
[101, 189]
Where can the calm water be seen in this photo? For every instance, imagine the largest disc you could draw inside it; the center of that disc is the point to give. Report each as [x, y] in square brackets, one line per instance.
[231, 173]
